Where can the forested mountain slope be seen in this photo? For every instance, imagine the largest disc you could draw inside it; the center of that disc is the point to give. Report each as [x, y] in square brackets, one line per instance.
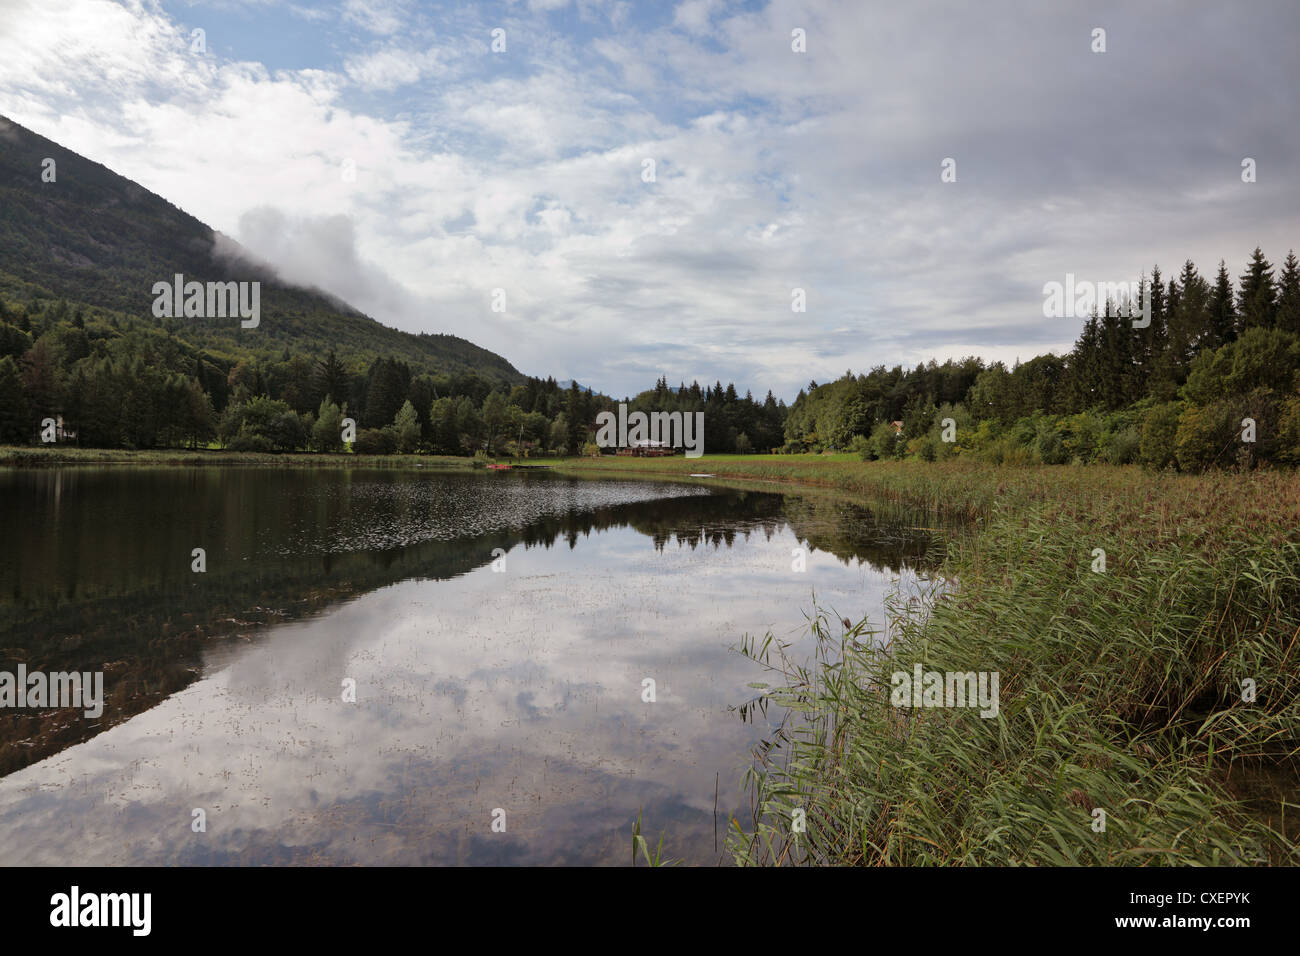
[100, 241]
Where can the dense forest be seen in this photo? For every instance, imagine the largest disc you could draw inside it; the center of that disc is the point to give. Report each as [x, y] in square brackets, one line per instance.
[1172, 394]
[1176, 393]
[80, 252]
[78, 345]
[113, 381]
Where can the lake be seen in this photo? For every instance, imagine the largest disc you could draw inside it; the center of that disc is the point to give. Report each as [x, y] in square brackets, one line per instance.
[377, 666]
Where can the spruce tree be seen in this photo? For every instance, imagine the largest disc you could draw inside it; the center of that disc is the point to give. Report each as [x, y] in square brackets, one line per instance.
[1164, 369]
[1085, 367]
[1115, 360]
[577, 421]
[1257, 300]
[1155, 337]
[1189, 323]
[1288, 300]
[1223, 314]
[14, 423]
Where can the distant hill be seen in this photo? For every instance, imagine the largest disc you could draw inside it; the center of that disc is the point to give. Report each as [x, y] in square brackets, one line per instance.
[99, 240]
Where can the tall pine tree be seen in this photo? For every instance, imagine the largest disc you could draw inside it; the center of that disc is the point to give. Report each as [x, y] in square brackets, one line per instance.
[1257, 300]
[1188, 320]
[1223, 314]
[1288, 300]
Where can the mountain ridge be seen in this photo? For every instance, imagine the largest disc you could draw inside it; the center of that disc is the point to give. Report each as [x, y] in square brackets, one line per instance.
[99, 240]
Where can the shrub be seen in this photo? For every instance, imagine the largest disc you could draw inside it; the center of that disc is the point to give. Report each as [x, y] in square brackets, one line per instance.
[1122, 447]
[1260, 358]
[376, 441]
[924, 447]
[262, 424]
[1082, 437]
[250, 441]
[886, 443]
[1288, 432]
[1204, 435]
[1159, 431]
[1212, 435]
[1049, 442]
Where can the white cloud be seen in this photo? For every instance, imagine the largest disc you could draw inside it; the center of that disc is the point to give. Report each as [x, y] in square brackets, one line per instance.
[378, 16]
[773, 170]
[385, 69]
[693, 15]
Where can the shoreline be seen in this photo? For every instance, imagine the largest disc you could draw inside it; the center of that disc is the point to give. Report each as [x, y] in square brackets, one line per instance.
[1124, 611]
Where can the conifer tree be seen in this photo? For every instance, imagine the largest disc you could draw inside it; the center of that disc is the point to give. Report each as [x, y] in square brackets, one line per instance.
[1288, 301]
[1189, 322]
[1223, 313]
[1085, 367]
[1257, 300]
[1115, 359]
[331, 378]
[1155, 337]
[1164, 375]
[13, 404]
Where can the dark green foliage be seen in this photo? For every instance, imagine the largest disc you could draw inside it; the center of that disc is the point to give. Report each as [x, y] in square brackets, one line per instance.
[1261, 357]
[331, 378]
[1113, 398]
[262, 424]
[1159, 428]
[1288, 302]
[387, 384]
[830, 415]
[13, 404]
[100, 241]
[1257, 300]
[14, 341]
[1223, 313]
[376, 441]
[1211, 435]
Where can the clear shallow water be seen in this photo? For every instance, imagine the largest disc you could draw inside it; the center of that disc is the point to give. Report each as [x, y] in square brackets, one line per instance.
[476, 689]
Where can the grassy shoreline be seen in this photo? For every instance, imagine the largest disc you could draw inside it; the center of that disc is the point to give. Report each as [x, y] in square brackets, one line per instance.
[1121, 690]
[16, 456]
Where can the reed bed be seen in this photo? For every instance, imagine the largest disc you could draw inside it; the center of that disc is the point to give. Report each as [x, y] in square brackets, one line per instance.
[1122, 691]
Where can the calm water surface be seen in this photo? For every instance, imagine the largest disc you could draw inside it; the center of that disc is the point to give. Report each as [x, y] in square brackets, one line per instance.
[477, 689]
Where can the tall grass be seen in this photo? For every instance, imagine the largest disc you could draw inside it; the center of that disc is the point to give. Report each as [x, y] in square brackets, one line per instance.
[1120, 691]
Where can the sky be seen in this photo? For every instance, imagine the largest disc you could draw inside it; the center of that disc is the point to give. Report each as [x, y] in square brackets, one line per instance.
[384, 151]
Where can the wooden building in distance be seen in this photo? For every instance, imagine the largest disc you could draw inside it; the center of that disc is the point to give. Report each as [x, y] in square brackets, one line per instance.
[647, 448]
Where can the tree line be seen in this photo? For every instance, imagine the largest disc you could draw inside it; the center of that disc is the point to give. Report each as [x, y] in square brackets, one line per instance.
[1213, 379]
[118, 383]
[1175, 392]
